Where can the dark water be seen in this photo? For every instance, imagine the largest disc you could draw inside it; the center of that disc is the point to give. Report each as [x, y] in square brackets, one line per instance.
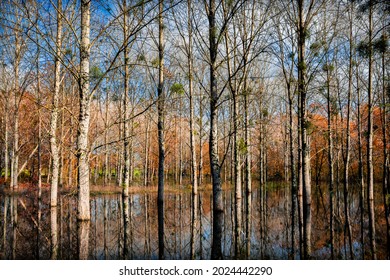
[30, 230]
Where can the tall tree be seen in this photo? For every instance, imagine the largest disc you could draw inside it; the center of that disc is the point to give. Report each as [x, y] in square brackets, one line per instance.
[54, 110]
[83, 209]
[160, 126]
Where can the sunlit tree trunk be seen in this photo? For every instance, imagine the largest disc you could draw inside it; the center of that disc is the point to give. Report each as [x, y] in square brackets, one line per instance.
[83, 208]
[17, 98]
[126, 146]
[54, 111]
[146, 152]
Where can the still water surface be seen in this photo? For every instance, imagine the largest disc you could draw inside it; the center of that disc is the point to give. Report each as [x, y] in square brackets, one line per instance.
[31, 230]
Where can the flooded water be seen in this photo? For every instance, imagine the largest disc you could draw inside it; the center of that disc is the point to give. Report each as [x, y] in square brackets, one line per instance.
[128, 228]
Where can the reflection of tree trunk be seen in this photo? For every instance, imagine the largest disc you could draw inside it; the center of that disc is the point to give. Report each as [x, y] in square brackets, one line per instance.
[248, 219]
[5, 214]
[200, 227]
[105, 228]
[14, 222]
[194, 224]
[83, 239]
[160, 206]
[147, 228]
[70, 227]
[53, 233]
[126, 226]
[38, 228]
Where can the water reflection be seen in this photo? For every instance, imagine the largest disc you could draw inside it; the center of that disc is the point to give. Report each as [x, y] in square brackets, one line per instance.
[128, 228]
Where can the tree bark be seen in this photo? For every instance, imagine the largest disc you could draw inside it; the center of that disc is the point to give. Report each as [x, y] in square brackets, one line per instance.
[160, 128]
[216, 250]
[370, 132]
[83, 208]
[54, 111]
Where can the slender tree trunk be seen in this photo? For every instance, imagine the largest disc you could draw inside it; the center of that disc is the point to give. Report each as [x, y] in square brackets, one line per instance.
[200, 168]
[39, 131]
[106, 169]
[348, 142]
[83, 208]
[385, 174]
[146, 151]
[160, 127]
[361, 177]
[302, 29]
[370, 132]
[194, 176]
[126, 147]
[6, 128]
[54, 112]
[17, 99]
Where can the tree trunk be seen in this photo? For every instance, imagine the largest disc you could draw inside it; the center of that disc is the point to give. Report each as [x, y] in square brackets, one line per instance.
[54, 111]
[83, 208]
[370, 132]
[302, 30]
[160, 127]
[126, 148]
[330, 163]
[194, 176]
[216, 250]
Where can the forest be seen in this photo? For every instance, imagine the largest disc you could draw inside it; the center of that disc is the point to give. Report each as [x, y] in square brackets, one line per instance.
[194, 129]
